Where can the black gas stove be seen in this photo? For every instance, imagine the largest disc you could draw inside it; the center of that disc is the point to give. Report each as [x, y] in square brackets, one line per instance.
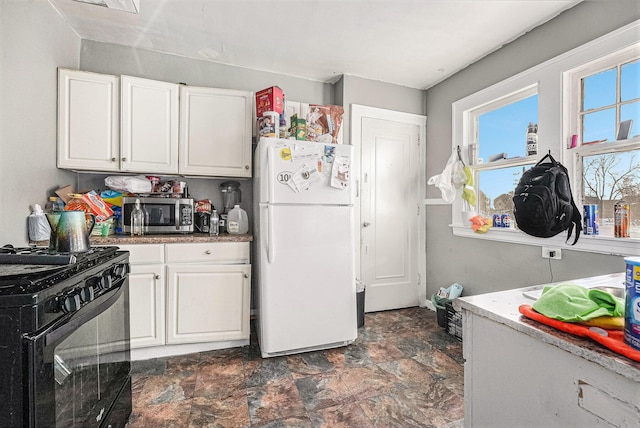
[65, 349]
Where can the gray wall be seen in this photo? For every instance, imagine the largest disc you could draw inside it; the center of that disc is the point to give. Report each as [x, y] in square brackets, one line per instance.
[483, 266]
[372, 93]
[34, 41]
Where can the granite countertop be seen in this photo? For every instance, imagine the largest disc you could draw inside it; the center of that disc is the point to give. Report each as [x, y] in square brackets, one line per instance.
[502, 307]
[161, 239]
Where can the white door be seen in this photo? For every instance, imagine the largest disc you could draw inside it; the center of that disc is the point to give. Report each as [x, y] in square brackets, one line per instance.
[215, 132]
[149, 120]
[391, 198]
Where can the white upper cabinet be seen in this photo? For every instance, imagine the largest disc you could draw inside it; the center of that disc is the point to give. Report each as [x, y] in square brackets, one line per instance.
[149, 121]
[88, 121]
[130, 124]
[215, 132]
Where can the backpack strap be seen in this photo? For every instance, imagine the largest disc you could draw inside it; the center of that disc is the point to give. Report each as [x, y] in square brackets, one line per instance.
[576, 221]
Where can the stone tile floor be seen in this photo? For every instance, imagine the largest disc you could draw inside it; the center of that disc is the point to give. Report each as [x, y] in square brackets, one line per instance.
[402, 371]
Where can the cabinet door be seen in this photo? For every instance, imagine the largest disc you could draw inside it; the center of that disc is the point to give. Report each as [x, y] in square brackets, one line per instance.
[149, 119]
[147, 305]
[88, 122]
[207, 302]
[215, 132]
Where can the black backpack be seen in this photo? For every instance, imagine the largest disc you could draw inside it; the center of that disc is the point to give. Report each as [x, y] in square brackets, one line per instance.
[542, 202]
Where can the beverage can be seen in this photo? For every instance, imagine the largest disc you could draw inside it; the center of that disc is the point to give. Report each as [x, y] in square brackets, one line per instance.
[632, 302]
[505, 220]
[621, 219]
[497, 220]
[590, 219]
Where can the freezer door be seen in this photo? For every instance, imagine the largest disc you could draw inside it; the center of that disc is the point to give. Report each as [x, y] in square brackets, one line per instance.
[307, 295]
[299, 172]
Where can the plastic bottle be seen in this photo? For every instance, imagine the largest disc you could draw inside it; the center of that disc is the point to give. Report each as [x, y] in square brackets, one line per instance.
[532, 139]
[137, 220]
[39, 229]
[237, 221]
[214, 227]
[54, 204]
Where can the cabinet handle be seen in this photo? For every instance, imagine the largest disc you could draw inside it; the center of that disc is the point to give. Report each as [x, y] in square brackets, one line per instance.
[113, 159]
[246, 275]
[208, 252]
[246, 167]
[124, 159]
[157, 276]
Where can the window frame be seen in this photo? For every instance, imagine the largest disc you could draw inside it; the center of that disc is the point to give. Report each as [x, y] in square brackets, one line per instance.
[555, 124]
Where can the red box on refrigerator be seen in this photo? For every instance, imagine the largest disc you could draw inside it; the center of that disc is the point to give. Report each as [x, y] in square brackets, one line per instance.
[269, 99]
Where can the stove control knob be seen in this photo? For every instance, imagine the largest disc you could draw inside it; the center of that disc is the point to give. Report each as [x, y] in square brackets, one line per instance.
[107, 280]
[87, 293]
[120, 271]
[71, 302]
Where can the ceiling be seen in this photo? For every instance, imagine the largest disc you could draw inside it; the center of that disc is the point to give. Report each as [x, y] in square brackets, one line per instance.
[414, 43]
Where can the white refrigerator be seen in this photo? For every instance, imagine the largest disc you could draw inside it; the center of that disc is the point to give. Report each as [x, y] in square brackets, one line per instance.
[304, 232]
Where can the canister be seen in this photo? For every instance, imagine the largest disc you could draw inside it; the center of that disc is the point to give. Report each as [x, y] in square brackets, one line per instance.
[269, 124]
[590, 219]
[621, 219]
[632, 303]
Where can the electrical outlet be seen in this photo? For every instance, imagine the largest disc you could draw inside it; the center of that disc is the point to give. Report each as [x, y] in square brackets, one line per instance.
[551, 253]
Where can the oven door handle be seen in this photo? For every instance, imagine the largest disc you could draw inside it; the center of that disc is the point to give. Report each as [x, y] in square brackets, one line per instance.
[72, 321]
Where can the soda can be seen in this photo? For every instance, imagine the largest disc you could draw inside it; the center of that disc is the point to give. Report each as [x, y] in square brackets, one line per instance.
[590, 220]
[505, 220]
[497, 220]
[621, 219]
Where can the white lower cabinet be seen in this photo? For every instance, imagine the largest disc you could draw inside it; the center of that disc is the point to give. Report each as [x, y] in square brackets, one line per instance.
[188, 297]
[147, 305]
[207, 302]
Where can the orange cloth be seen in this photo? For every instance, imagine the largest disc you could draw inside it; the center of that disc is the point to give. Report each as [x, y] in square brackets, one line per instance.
[614, 339]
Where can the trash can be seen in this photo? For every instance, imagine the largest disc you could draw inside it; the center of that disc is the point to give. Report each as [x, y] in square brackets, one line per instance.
[441, 310]
[360, 289]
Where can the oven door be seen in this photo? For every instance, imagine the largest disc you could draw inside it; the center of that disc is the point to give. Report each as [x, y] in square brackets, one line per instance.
[79, 367]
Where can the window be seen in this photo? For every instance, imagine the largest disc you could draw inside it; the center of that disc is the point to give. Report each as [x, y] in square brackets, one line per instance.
[588, 93]
[606, 94]
[500, 135]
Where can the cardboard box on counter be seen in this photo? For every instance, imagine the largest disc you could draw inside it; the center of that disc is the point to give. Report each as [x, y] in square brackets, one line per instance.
[298, 128]
[269, 99]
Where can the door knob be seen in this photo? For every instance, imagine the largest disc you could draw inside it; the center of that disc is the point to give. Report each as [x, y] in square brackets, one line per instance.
[366, 224]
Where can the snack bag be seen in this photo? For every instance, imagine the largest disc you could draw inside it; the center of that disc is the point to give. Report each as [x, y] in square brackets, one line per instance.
[323, 123]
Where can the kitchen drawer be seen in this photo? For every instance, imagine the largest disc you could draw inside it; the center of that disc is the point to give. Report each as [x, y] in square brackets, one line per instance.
[144, 253]
[216, 252]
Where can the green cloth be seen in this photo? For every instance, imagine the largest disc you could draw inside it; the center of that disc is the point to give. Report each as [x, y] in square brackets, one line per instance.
[572, 303]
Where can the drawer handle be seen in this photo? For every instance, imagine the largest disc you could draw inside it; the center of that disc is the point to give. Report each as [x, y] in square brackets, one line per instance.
[208, 252]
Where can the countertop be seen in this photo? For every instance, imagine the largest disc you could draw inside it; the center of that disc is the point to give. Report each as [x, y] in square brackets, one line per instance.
[161, 239]
[502, 307]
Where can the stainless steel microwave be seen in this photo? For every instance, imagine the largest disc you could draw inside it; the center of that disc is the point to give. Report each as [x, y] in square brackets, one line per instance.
[161, 215]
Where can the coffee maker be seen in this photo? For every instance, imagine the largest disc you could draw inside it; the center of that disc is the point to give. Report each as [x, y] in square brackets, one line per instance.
[231, 196]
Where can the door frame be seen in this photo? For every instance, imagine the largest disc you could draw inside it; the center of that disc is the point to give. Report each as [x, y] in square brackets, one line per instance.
[358, 112]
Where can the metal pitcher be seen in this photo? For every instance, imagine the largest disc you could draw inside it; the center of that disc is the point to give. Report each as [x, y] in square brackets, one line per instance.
[69, 231]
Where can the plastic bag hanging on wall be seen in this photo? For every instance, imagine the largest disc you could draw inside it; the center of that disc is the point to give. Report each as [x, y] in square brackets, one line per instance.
[451, 178]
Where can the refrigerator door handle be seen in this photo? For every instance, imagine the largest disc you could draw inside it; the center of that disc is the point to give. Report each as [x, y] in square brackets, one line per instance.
[270, 249]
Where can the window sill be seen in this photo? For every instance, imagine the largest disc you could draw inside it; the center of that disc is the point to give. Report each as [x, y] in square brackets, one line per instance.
[592, 244]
